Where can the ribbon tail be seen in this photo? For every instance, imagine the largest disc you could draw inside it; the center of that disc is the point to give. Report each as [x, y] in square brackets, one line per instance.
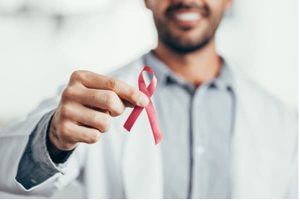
[153, 122]
[132, 117]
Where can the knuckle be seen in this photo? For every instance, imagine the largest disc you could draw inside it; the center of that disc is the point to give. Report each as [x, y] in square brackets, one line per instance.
[92, 138]
[105, 123]
[68, 93]
[118, 111]
[65, 110]
[95, 118]
[133, 95]
[95, 97]
[112, 84]
[77, 75]
[64, 128]
[110, 99]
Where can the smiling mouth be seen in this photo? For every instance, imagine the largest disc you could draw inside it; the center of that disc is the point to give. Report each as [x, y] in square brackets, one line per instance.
[186, 18]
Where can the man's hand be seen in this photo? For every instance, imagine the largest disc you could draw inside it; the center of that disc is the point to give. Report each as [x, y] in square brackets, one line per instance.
[87, 105]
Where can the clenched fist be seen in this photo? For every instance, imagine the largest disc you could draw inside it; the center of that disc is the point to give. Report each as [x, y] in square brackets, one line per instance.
[87, 105]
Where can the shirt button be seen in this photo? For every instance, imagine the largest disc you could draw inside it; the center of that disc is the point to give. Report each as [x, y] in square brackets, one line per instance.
[199, 150]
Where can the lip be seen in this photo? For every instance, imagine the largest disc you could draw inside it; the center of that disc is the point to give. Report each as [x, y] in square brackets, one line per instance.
[186, 18]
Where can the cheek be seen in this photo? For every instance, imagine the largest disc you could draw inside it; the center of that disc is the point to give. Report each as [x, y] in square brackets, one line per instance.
[216, 3]
[159, 15]
[217, 7]
[203, 29]
[158, 7]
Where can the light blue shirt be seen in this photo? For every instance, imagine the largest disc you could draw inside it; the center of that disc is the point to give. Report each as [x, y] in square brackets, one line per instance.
[197, 125]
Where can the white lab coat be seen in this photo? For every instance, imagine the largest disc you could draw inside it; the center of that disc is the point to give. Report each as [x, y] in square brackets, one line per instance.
[264, 151]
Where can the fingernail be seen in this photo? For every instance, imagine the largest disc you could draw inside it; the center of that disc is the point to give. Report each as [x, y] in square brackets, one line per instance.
[143, 100]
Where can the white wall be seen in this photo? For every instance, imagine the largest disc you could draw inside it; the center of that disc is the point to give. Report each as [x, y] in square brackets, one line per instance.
[262, 37]
[38, 52]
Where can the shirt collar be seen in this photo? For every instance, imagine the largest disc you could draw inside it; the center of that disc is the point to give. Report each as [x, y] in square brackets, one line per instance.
[165, 76]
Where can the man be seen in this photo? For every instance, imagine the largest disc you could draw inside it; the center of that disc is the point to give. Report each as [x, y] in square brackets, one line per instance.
[223, 137]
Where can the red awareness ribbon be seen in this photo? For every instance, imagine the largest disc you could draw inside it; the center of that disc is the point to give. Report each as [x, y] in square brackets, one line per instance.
[149, 108]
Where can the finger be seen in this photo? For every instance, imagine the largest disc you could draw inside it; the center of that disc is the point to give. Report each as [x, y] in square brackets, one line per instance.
[122, 89]
[88, 117]
[103, 100]
[128, 93]
[75, 133]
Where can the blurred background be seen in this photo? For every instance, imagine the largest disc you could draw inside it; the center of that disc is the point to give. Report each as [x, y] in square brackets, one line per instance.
[43, 41]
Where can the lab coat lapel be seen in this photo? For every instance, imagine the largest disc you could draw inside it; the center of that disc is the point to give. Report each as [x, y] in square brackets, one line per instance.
[142, 162]
[248, 164]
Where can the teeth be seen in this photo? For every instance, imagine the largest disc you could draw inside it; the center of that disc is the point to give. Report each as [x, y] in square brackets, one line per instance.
[192, 16]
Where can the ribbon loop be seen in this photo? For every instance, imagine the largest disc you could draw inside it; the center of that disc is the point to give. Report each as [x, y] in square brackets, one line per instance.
[148, 91]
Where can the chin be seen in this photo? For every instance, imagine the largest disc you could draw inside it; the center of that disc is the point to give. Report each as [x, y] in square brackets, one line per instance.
[185, 44]
[194, 34]
[189, 40]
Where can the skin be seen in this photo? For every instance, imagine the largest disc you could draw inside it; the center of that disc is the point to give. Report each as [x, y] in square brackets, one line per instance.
[197, 61]
[86, 107]
[90, 100]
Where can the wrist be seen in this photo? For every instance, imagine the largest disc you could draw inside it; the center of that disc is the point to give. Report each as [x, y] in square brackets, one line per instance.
[57, 154]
